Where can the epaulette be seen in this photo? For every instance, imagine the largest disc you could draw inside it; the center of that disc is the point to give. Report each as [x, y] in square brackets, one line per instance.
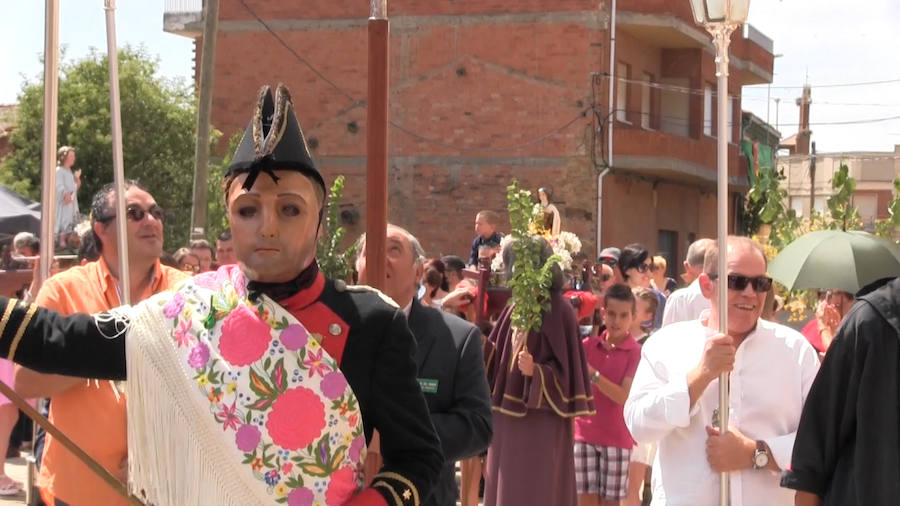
[16, 317]
[367, 288]
[398, 487]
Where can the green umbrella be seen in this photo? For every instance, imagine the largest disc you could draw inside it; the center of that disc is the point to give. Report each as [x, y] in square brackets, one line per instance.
[833, 259]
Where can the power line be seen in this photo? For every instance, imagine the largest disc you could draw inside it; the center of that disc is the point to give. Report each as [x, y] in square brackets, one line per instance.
[298, 57]
[839, 85]
[396, 125]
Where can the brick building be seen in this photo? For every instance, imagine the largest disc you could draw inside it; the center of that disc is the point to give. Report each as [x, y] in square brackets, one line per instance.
[483, 91]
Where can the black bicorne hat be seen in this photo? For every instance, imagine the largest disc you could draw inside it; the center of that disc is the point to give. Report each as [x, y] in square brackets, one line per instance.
[273, 141]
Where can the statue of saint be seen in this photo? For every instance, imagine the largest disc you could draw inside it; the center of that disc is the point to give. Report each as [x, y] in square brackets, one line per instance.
[551, 213]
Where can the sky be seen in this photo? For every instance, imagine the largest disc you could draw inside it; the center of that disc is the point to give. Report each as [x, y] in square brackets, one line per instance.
[826, 43]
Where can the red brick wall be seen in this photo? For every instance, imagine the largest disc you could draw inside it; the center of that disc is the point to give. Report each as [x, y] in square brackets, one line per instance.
[473, 88]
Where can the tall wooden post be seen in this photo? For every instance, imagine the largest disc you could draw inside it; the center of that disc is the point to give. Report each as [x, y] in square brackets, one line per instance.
[377, 144]
[48, 175]
[204, 107]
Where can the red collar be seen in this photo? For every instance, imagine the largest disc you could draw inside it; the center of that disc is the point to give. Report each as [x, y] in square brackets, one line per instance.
[304, 298]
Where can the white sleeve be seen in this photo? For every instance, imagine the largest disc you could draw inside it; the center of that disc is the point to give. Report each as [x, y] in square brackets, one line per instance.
[657, 403]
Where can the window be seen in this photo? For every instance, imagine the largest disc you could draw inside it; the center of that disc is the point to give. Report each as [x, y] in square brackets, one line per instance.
[645, 101]
[668, 249]
[707, 110]
[623, 71]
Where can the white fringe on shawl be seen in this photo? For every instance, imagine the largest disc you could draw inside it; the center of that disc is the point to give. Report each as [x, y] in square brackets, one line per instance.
[175, 451]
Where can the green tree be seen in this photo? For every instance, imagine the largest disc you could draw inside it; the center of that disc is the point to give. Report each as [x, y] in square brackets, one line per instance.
[890, 225]
[217, 211]
[840, 204]
[765, 200]
[158, 133]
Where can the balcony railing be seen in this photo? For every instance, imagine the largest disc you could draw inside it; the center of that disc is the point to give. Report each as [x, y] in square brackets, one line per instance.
[183, 6]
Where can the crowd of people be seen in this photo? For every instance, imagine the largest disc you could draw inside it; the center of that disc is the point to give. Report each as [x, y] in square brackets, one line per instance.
[613, 400]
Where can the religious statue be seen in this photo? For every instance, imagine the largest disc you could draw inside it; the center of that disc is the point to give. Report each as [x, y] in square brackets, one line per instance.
[551, 214]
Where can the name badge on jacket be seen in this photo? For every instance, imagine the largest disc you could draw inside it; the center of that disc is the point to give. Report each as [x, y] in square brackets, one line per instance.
[428, 385]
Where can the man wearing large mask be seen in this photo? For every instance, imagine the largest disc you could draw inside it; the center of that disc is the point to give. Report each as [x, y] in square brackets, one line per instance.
[260, 382]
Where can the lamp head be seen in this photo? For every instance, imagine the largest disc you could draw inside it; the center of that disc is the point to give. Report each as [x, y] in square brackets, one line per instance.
[720, 11]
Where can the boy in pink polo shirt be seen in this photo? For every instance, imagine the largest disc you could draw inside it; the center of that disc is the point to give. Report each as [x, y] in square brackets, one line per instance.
[602, 441]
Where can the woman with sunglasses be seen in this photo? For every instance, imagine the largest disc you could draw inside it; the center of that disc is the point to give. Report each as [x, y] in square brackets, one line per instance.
[258, 383]
[186, 260]
[636, 266]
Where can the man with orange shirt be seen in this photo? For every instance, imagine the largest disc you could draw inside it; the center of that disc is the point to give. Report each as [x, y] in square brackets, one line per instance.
[90, 412]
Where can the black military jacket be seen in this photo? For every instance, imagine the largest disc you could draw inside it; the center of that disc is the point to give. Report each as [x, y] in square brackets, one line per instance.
[369, 337]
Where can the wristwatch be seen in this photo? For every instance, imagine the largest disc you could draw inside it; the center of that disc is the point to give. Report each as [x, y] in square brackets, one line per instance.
[760, 456]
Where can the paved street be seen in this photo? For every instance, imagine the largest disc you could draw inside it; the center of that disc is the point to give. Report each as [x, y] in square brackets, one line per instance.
[16, 470]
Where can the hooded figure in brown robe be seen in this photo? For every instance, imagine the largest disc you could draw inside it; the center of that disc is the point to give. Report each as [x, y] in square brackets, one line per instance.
[531, 460]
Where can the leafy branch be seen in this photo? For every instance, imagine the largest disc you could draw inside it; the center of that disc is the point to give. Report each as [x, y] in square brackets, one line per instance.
[333, 263]
[530, 281]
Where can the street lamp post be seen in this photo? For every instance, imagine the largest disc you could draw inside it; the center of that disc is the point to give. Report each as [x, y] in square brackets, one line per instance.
[720, 18]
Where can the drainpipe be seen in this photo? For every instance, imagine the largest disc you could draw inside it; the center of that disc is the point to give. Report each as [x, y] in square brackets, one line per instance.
[600, 177]
[610, 121]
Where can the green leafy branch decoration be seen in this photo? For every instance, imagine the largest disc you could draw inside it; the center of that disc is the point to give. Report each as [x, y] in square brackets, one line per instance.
[530, 281]
[332, 262]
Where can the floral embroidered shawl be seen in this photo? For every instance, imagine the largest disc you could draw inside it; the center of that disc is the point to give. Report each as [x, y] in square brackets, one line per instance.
[234, 402]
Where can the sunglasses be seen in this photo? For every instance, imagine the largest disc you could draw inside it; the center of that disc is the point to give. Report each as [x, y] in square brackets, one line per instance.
[137, 213]
[739, 283]
[644, 267]
[190, 268]
[605, 278]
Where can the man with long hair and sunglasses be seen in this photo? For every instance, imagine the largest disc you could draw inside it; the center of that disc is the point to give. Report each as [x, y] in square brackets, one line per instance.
[92, 413]
[674, 396]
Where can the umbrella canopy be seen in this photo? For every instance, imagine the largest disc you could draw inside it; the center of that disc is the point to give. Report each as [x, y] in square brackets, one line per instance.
[834, 259]
[17, 214]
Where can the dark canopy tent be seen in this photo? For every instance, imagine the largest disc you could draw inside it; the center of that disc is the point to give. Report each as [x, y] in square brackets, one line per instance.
[17, 214]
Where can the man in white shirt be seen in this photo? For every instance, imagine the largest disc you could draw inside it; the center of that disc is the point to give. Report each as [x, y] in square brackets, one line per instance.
[674, 396]
[687, 303]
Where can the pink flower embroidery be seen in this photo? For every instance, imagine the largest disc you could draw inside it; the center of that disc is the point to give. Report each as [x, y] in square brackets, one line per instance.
[297, 418]
[294, 337]
[199, 356]
[286, 468]
[356, 448]
[244, 337]
[300, 497]
[174, 306]
[314, 362]
[333, 385]
[210, 280]
[247, 438]
[231, 421]
[183, 336]
[341, 486]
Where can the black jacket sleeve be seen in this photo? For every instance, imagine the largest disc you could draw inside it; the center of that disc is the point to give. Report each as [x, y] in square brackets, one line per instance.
[466, 428]
[78, 345]
[409, 445]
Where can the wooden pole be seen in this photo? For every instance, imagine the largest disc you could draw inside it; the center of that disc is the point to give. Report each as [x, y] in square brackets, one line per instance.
[377, 144]
[48, 176]
[115, 115]
[76, 450]
[376, 175]
[204, 110]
